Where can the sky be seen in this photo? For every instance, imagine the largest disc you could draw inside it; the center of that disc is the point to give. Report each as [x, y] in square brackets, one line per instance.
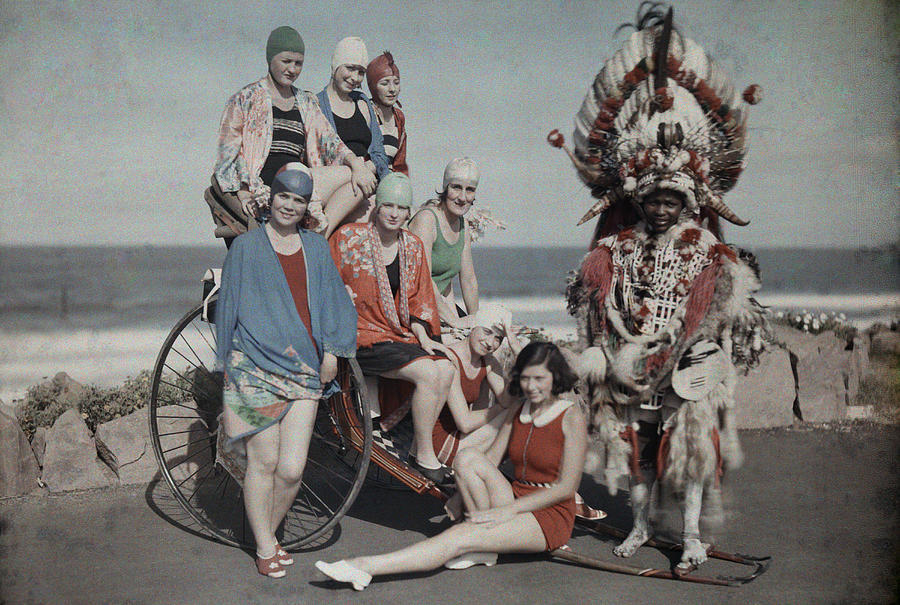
[110, 110]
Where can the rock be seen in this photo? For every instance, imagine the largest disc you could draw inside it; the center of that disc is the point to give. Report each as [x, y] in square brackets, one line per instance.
[886, 343]
[828, 371]
[19, 469]
[69, 390]
[822, 377]
[8, 408]
[764, 398]
[860, 355]
[39, 443]
[70, 460]
[128, 441]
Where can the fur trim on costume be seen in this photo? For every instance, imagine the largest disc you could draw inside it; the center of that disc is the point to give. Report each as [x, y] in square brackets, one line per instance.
[692, 453]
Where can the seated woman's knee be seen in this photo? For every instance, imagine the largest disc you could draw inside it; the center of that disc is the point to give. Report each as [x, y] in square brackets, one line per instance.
[467, 460]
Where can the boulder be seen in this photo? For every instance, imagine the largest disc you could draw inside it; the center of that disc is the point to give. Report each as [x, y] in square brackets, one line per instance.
[39, 443]
[70, 460]
[823, 377]
[828, 371]
[8, 408]
[128, 441]
[764, 398]
[886, 342]
[19, 469]
[69, 390]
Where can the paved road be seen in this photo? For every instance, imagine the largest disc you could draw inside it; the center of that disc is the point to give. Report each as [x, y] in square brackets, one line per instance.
[823, 503]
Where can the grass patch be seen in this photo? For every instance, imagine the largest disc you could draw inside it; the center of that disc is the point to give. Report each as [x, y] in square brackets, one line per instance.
[881, 388]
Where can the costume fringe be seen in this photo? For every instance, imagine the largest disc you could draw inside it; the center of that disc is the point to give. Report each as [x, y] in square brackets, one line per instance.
[692, 450]
[701, 296]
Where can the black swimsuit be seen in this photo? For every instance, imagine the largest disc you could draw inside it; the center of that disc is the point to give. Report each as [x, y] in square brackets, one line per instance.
[354, 132]
[288, 142]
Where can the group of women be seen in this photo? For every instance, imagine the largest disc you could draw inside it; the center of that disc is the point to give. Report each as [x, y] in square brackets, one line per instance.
[376, 287]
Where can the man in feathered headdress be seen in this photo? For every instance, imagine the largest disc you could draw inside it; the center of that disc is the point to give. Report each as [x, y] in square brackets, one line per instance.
[663, 305]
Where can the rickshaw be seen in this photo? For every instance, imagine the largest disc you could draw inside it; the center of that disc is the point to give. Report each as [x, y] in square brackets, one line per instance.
[205, 475]
[349, 447]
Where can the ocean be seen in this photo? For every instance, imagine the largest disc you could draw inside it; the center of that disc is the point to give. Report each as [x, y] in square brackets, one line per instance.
[51, 288]
[101, 313]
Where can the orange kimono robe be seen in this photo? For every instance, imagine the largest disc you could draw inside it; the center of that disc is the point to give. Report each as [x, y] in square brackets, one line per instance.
[381, 317]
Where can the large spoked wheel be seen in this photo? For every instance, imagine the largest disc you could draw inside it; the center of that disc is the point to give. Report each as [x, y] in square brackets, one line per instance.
[185, 406]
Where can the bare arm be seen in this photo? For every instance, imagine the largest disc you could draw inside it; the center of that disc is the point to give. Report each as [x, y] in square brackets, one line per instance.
[496, 382]
[466, 419]
[468, 281]
[425, 227]
[425, 341]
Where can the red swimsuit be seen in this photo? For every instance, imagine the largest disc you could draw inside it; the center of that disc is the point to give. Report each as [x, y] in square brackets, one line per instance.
[536, 453]
[445, 435]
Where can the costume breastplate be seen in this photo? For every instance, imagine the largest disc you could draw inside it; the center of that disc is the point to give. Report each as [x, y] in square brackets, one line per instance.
[653, 277]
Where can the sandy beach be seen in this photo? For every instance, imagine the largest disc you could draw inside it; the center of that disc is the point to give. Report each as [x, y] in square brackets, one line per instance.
[106, 357]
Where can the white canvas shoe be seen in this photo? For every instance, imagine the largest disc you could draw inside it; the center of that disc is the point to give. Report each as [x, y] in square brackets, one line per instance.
[469, 559]
[342, 571]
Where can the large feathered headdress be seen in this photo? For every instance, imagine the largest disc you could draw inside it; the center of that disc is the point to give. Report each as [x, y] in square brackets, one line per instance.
[660, 114]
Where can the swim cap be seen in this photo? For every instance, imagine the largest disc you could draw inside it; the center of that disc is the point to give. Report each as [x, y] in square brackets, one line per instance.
[283, 39]
[349, 51]
[395, 188]
[462, 170]
[381, 66]
[490, 315]
[293, 178]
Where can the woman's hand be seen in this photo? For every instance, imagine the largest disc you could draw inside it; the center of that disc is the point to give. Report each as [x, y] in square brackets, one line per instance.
[433, 346]
[328, 370]
[361, 178]
[248, 205]
[491, 517]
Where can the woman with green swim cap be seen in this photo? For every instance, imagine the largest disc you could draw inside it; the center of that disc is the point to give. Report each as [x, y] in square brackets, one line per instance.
[384, 267]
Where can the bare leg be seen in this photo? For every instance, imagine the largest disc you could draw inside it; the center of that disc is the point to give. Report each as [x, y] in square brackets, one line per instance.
[481, 484]
[641, 492]
[694, 550]
[339, 205]
[262, 459]
[296, 431]
[432, 381]
[482, 437]
[520, 534]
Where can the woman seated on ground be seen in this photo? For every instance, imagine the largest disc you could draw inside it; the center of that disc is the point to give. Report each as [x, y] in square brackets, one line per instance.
[441, 226]
[282, 319]
[383, 78]
[384, 268]
[351, 112]
[545, 438]
[466, 420]
[271, 123]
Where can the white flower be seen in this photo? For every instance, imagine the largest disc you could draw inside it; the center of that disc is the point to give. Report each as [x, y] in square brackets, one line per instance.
[779, 314]
[823, 317]
[815, 324]
[842, 317]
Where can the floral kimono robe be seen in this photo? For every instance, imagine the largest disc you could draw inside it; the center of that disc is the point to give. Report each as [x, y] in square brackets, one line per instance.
[381, 316]
[245, 136]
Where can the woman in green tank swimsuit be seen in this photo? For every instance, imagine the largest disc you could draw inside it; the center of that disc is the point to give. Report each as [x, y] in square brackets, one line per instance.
[441, 226]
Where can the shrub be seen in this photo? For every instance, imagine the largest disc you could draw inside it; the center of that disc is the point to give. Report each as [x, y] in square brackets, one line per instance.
[816, 323]
[42, 404]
